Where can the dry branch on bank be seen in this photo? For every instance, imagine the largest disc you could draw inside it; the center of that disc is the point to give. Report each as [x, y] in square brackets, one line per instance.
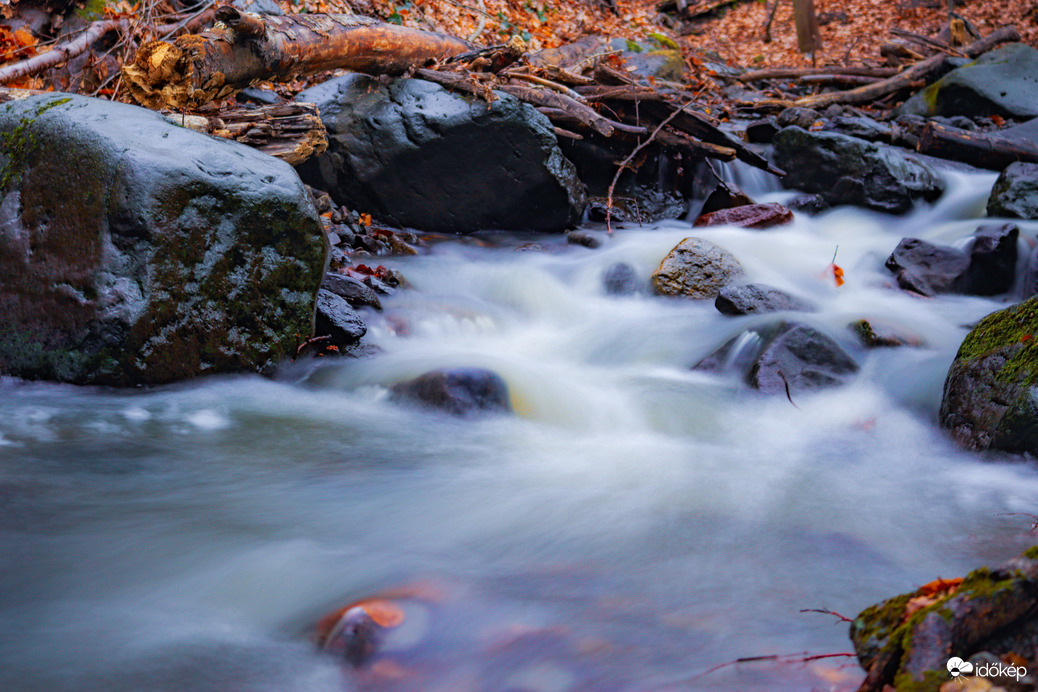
[991, 151]
[61, 53]
[906, 79]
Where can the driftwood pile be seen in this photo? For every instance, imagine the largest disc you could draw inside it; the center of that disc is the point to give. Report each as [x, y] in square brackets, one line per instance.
[574, 86]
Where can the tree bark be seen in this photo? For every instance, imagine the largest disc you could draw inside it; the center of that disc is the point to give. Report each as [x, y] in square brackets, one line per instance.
[290, 131]
[993, 152]
[198, 68]
[809, 39]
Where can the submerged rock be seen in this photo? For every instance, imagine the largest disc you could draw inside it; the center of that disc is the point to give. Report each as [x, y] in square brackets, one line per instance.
[414, 154]
[1015, 194]
[846, 170]
[1001, 82]
[907, 642]
[459, 391]
[990, 397]
[621, 279]
[696, 268]
[757, 216]
[748, 299]
[135, 251]
[781, 355]
[878, 334]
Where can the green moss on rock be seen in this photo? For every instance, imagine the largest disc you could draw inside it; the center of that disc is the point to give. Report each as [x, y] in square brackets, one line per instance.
[1017, 325]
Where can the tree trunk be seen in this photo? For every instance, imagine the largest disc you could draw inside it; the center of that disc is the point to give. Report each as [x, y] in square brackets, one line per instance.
[809, 39]
[993, 152]
[198, 68]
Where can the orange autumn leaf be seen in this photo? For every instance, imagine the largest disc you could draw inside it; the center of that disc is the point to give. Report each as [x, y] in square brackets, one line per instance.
[384, 613]
[365, 219]
[837, 273]
[939, 586]
[24, 38]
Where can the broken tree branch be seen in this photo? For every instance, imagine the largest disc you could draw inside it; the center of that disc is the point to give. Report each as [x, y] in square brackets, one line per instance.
[798, 72]
[198, 68]
[59, 54]
[920, 70]
[993, 151]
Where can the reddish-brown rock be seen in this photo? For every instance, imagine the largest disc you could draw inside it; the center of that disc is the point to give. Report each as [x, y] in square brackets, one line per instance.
[748, 216]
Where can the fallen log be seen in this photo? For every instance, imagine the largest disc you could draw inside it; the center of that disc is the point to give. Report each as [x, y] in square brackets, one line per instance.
[244, 48]
[290, 131]
[991, 151]
[920, 70]
[797, 72]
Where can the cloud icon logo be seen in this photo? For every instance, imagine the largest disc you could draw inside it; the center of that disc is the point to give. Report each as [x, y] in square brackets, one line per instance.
[956, 666]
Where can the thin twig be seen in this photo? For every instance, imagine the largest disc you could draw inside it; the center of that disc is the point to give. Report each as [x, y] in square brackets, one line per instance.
[826, 611]
[804, 657]
[627, 161]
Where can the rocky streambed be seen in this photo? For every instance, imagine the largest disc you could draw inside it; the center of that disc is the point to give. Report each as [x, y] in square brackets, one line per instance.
[507, 459]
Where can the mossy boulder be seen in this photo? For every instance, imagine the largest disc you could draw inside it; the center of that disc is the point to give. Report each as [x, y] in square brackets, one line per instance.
[416, 155]
[135, 251]
[907, 640]
[847, 170]
[1001, 82]
[1015, 193]
[990, 396]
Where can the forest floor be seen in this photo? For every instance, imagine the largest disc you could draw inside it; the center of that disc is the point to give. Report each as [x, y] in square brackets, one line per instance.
[852, 30]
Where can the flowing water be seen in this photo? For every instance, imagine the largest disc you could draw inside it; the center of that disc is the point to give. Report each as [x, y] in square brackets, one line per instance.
[636, 524]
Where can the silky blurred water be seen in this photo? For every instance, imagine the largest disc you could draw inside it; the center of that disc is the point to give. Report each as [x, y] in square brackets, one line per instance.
[636, 524]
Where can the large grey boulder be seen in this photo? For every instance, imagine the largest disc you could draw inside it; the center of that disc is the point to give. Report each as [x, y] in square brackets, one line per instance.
[846, 170]
[133, 250]
[990, 396]
[1001, 82]
[1015, 194]
[414, 154]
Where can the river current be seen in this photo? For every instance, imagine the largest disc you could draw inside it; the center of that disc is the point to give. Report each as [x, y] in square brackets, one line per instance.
[635, 525]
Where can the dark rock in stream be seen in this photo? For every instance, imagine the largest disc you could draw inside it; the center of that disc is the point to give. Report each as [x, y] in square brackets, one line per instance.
[135, 251]
[355, 291]
[725, 196]
[928, 269]
[846, 170]
[621, 279]
[414, 154]
[781, 355]
[808, 204]
[337, 318]
[990, 396]
[987, 268]
[696, 268]
[993, 255]
[458, 391]
[1015, 194]
[907, 642]
[749, 299]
